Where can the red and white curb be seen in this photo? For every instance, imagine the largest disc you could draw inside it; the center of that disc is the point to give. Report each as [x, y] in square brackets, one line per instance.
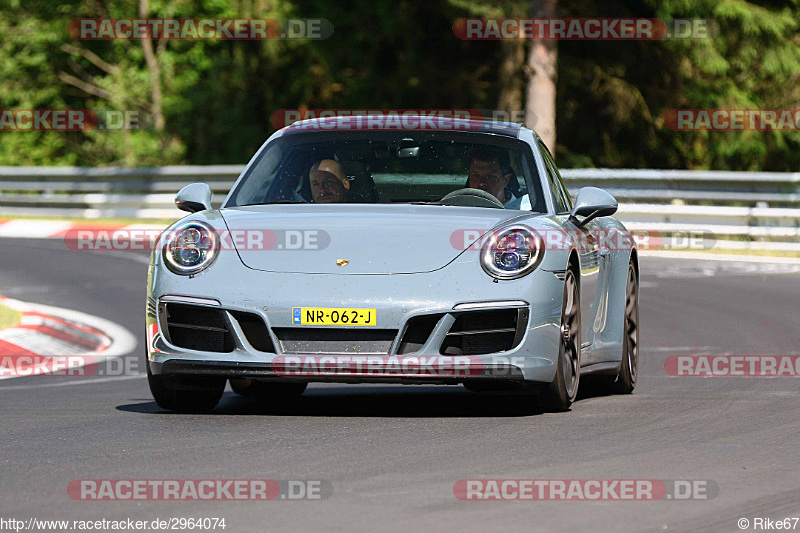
[58, 229]
[53, 340]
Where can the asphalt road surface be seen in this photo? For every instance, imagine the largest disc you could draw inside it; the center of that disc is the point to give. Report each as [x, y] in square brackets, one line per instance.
[393, 453]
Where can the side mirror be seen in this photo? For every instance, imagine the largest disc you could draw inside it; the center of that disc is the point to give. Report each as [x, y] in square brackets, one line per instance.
[592, 203]
[194, 197]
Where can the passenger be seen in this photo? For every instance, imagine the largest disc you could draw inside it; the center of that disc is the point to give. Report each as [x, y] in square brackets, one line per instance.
[328, 182]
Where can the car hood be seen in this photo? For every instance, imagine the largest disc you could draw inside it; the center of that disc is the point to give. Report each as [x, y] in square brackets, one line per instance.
[357, 239]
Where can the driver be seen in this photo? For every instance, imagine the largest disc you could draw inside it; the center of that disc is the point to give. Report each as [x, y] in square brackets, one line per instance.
[489, 171]
[328, 182]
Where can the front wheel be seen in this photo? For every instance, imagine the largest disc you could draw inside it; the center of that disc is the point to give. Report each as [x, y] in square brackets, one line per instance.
[560, 394]
[625, 381]
[185, 394]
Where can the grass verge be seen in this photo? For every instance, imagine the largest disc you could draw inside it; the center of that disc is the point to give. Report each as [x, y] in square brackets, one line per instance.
[9, 317]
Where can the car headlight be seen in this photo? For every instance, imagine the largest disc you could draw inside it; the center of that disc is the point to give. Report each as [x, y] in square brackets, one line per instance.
[512, 252]
[190, 248]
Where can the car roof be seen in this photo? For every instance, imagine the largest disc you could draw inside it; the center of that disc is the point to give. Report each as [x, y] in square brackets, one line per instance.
[396, 123]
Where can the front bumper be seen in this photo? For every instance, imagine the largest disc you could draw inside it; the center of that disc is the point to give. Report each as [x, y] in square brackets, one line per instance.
[413, 375]
[399, 300]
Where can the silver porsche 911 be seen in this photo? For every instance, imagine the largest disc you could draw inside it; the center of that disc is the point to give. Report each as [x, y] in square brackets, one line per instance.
[413, 251]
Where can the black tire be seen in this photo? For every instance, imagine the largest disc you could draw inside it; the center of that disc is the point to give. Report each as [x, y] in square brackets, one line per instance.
[265, 390]
[185, 394]
[625, 381]
[559, 395]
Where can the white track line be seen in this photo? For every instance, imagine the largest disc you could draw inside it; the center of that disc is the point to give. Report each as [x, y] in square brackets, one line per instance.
[699, 256]
[73, 382]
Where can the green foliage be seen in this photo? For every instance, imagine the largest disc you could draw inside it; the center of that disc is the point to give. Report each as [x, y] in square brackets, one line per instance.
[623, 90]
[218, 96]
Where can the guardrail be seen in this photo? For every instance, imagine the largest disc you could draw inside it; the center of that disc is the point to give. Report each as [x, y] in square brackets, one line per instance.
[755, 209]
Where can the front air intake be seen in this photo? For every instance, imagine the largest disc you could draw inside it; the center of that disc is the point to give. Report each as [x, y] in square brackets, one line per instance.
[485, 332]
[418, 329]
[255, 330]
[195, 327]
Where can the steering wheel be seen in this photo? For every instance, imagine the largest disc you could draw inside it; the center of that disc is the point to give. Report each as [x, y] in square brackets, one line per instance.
[469, 197]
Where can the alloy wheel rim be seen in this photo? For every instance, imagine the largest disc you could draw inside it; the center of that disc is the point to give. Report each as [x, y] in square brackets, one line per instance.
[569, 337]
[632, 324]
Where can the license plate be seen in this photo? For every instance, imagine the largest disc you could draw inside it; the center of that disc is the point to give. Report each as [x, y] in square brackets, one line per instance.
[330, 316]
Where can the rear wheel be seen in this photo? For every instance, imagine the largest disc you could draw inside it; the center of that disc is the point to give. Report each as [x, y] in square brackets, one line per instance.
[185, 394]
[625, 381]
[263, 390]
[560, 394]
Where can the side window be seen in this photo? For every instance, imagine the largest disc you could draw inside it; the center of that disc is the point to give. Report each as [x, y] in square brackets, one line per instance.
[560, 196]
[563, 188]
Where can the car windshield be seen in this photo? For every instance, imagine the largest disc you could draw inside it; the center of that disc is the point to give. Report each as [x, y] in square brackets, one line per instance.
[474, 170]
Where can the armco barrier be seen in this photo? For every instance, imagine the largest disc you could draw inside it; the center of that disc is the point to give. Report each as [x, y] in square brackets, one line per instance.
[762, 208]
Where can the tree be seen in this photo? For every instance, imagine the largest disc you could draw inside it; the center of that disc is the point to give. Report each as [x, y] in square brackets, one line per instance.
[540, 95]
[210, 101]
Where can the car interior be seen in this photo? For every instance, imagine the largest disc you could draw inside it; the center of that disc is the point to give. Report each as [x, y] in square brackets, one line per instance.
[399, 170]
